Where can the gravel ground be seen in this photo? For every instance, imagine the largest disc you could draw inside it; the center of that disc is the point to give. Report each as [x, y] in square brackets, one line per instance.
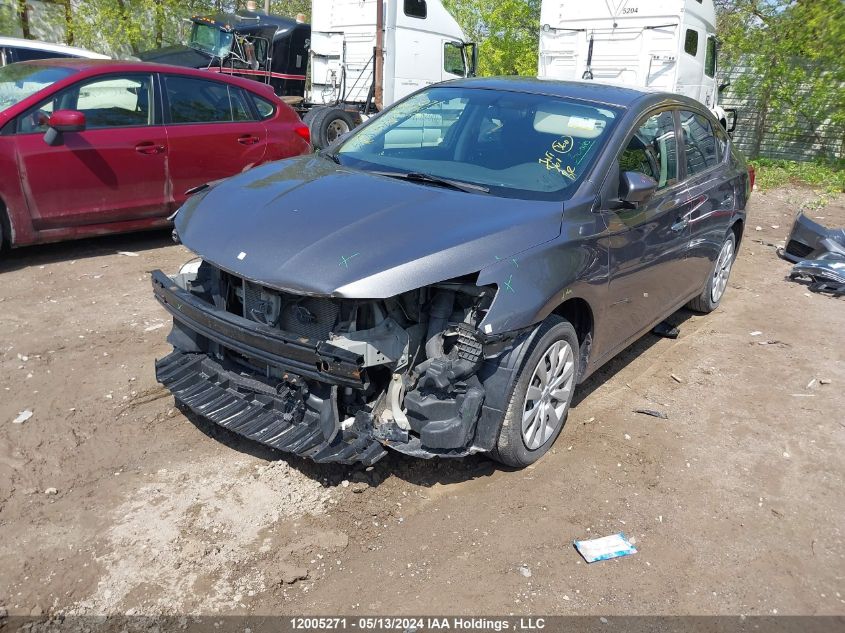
[112, 501]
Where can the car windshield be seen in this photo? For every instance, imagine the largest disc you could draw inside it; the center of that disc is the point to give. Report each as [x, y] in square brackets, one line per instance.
[210, 39]
[513, 144]
[19, 81]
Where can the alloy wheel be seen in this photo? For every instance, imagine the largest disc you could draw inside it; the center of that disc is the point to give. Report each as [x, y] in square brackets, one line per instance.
[548, 395]
[722, 271]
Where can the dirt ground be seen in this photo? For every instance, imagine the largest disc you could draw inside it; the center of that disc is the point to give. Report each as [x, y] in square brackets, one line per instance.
[112, 501]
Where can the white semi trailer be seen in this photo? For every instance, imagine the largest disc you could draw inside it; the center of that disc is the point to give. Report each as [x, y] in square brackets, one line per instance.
[662, 44]
[367, 54]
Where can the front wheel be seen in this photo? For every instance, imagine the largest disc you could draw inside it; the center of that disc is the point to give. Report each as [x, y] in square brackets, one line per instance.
[541, 396]
[717, 282]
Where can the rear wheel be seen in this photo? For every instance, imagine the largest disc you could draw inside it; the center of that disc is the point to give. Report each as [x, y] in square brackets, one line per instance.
[717, 282]
[328, 125]
[541, 396]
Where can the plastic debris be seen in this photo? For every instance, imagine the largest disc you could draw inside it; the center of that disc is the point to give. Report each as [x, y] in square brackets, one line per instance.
[604, 548]
[675, 378]
[666, 330]
[652, 413]
[127, 253]
[756, 333]
[23, 416]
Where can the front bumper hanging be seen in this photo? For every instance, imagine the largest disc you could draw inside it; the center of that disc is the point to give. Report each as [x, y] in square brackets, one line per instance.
[282, 420]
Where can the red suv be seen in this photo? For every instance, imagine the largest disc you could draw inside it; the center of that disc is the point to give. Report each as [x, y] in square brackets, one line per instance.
[95, 146]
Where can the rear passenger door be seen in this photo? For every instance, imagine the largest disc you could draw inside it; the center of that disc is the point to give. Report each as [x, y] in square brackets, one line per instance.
[712, 193]
[212, 131]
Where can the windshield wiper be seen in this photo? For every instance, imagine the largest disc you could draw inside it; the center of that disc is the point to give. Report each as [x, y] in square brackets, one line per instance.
[416, 176]
[329, 155]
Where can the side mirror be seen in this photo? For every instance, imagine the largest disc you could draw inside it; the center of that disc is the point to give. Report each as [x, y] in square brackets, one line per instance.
[62, 121]
[724, 85]
[472, 58]
[67, 121]
[635, 187]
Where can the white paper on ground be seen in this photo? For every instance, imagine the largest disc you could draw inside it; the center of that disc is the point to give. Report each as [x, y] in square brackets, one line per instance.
[604, 548]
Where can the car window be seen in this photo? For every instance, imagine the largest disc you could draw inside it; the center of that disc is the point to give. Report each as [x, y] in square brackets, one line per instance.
[21, 81]
[519, 145]
[453, 59]
[710, 57]
[699, 142]
[200, 101]
[29, 54]
[721, 142]
[109, 102]
[265, 108]
[691, 42]
[653, 150]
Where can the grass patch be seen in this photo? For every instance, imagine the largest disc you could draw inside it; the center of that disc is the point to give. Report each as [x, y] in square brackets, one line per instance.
[777, 173]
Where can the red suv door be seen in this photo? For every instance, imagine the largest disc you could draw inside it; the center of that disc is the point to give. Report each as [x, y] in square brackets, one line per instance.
[211, 130]
[112, 171]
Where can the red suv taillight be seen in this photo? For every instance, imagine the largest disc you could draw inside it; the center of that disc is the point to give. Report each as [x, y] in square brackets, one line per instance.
[301, 130]
[751, 175]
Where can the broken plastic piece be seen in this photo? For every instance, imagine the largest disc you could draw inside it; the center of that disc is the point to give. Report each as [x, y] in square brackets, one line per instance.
[23, 416]
[604, 548]
[666, 330]
[652, 413]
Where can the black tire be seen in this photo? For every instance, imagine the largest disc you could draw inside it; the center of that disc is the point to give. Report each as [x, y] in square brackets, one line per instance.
[706, 302]
[328, 124]
[511, 447]
[309, 116]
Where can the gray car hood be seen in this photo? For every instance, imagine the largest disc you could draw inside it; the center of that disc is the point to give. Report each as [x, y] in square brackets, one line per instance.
[309, 226]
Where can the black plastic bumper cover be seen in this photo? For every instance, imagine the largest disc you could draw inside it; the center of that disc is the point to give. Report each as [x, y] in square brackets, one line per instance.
[255, 411]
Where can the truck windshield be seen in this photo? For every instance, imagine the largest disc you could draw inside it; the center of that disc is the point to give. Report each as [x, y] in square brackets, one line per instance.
[209, 39]
[513, 144]
[20, 81]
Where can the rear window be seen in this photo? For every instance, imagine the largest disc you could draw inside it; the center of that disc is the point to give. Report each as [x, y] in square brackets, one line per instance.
[265, 108]
[201, 101]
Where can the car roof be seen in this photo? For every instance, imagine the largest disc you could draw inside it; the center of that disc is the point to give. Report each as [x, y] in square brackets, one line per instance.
[98, 66]
[50, 47]
[606, 93]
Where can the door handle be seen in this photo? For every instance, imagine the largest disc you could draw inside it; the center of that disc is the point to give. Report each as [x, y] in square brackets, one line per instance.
[149, 148]
[248, 139]
[680, 225]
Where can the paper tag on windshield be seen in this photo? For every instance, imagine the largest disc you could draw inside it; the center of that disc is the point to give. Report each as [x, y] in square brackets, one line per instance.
[580, 123]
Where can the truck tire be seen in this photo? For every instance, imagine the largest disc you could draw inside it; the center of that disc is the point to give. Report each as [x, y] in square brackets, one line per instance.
[329, 124]
[309, 116]
[541, 395]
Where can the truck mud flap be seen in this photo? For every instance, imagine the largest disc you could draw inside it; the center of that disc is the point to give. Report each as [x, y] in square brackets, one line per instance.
[254, 410]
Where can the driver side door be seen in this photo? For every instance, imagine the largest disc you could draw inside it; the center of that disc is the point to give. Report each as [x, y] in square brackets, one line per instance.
[112, 171]
[647, 244]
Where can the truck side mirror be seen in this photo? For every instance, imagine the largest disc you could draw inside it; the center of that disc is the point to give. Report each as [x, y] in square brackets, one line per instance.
[472, 58]
[724, 85]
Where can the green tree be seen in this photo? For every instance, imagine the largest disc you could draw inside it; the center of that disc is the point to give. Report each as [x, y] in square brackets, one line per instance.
[792, 50]
[507, 32]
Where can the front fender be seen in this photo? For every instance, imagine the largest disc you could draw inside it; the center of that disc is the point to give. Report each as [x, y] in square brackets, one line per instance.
[532, 284]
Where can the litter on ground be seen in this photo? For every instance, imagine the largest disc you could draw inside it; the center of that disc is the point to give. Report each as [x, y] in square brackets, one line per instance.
[23, 416]
[652, 413]
[606, 547]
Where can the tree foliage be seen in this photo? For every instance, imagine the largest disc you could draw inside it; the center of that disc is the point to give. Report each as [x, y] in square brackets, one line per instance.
[507, 32]
[792, 50]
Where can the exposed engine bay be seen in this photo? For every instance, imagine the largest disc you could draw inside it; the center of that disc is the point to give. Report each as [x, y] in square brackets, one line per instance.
[333, 379]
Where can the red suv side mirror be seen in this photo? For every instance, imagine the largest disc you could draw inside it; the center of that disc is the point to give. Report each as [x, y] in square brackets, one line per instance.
[67, 121]
[63, 121]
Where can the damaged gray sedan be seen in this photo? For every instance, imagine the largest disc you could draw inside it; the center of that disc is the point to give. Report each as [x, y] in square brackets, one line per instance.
[440, 281]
